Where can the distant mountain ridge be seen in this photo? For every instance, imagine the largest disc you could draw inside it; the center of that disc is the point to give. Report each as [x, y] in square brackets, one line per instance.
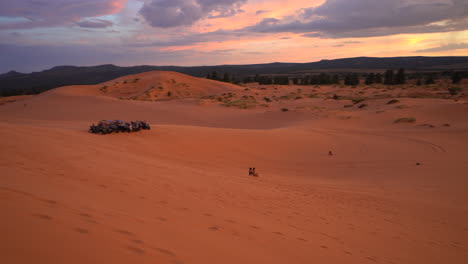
[15, 83]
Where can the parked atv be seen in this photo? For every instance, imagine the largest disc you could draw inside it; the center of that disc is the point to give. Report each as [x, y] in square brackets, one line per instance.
[122, 126]
[103, 127]
[135, 126]
[116, 126]
[144, 125]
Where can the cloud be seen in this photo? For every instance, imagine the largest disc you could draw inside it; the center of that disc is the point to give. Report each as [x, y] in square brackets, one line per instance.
[195, 38]
[452, 46]
[33, 14]
[367, 18]
[95, 23]
[173, 13]
[351, 42]
[259, 12]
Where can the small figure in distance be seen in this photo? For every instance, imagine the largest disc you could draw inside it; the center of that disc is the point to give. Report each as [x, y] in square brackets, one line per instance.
[250, 172]
[254, 173]
[330, 153]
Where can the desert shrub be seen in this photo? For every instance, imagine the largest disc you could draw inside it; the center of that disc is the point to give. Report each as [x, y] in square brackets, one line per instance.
[284, 109]
[242, 104]
[405, 120]
[103, 89]
[454, 90]
[298, 97]
[362, 106]
[267, 99]
[348, 105]
[394, 101]
[357, 100]
[336, 97]
[169, 94]
[246, 89]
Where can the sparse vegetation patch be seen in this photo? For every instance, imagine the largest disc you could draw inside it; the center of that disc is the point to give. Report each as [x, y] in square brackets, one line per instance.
[394, 101]
[405, 120]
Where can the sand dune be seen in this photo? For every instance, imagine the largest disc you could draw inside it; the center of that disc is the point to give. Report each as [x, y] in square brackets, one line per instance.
[180, 192]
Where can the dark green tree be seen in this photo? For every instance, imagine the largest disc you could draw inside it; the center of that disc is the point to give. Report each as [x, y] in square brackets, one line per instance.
[214, 75]
[378, 78]
[400, 77]
[389, 77]
[456, 77]
[370, 78]
[430, 79]
[335, 79]
[226, 77]
[355, 79]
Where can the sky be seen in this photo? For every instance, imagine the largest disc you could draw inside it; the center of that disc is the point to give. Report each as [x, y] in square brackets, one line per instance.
[40, 34]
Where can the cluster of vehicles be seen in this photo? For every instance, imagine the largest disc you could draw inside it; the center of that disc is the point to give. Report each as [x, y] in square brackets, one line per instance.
[116, 126]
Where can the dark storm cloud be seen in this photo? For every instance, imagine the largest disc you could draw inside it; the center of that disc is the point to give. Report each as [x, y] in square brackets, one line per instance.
[453, 46]
[366, 18]
[173, 13]
[46, 13]
[95, 23]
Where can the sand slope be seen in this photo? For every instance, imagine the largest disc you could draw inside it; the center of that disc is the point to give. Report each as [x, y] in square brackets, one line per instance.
[180, 193]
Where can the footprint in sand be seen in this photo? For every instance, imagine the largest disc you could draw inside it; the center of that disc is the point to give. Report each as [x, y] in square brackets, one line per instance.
[85, 215]
[136, 250]
[123, 232]
[51, 202]
[43, 216]
[165, 251]
[162, 219]
[81, 230]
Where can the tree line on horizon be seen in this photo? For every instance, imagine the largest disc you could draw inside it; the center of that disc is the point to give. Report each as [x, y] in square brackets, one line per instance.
[389, 77]
[28, 86]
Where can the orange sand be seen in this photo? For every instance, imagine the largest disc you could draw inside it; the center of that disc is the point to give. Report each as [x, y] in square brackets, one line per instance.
[180, 193]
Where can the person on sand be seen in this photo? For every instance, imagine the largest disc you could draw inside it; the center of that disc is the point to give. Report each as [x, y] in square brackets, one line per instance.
[330, 153]
[254, 173]
[250, 172]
